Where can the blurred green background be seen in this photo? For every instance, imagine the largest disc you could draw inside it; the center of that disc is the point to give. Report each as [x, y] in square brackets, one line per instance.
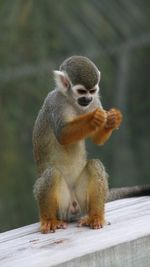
[36, 36]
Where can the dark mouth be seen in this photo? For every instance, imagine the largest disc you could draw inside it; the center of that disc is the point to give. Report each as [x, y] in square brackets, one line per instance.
[84, 102]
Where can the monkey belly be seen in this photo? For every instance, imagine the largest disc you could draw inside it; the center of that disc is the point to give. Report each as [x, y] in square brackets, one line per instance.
[70, 160]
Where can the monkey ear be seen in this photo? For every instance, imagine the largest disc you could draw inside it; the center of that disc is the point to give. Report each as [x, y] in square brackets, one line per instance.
[62, 81]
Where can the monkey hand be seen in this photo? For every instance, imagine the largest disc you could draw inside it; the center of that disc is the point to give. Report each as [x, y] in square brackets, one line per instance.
[99, 118]
[114, 118]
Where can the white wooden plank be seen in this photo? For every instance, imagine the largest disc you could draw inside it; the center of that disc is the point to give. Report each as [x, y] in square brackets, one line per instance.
[127, 236]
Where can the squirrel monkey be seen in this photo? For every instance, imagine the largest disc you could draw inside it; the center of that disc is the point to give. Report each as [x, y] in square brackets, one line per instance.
[71, 187]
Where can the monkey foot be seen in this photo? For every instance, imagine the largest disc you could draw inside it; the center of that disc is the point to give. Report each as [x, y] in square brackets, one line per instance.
[94, 222]
[52, 225]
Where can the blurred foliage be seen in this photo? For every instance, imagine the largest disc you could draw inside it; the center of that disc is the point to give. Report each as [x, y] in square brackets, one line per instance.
[36, 36]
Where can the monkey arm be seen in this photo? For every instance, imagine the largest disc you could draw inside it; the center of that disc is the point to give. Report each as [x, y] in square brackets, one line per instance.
[82, 127]
[101, 135]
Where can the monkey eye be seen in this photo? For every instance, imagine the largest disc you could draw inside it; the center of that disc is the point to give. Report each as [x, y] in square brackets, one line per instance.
[92, 91]
[81, 91]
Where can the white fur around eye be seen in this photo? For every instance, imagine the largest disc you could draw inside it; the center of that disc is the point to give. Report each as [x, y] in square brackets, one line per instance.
[75, 89]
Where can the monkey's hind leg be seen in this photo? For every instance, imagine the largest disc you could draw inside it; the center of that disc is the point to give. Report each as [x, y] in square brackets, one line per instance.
[95, 194]
[49, 190]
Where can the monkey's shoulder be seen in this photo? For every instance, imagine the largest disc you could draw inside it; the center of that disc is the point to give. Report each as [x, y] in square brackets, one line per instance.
[58, 106]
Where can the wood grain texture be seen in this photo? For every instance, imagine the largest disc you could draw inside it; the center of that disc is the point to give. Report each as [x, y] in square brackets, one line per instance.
[126, 242]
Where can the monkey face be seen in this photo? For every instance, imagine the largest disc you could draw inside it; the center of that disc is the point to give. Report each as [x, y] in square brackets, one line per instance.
[83, 96]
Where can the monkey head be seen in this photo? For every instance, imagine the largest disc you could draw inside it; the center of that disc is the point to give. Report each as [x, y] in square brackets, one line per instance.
[78, 79]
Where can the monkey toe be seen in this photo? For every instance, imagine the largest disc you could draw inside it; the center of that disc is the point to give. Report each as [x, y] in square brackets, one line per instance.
[84, 221]
[94, 222]
[61, 225]
[45, 227]
[96, 225]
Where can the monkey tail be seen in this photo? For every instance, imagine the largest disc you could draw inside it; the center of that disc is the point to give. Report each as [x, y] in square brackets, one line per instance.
[125, 192]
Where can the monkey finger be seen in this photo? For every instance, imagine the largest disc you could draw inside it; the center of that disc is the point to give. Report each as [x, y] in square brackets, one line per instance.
[99, 120]
[111, 116]
[100, 113]
[114, 120]
[111, 119]
[116, 113]
[113, 110]
[97, 123]
[110, 124]
[118, 122]
[119, 116]
[119, 119]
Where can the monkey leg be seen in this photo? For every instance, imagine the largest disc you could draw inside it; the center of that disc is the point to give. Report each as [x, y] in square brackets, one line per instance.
[53, 198]
[91, 193]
